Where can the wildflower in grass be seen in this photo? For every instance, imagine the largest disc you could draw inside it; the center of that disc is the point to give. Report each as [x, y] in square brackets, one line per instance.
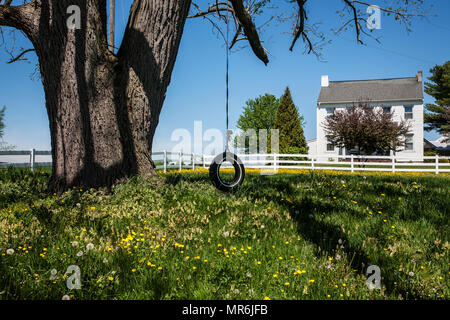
[105, 261]
[133, 270]
[266, 298]
[92, 208]
[53, 274]
[66, 297]
[258, 262]
[411, 274]
[74, 243]
[275, 275]
[10, 251]
[382, 194]
[160, 268]
[111, 278]
[344, 285]
[312, 281]
[193, 268]
[329, 296]
[89, 246]
[286, 284]
[393, 227]
[422, 267]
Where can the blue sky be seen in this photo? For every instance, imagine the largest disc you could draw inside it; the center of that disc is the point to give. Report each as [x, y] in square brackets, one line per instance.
[197, 89]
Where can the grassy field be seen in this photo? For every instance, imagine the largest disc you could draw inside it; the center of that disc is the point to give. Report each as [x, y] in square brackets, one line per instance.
[284, 236]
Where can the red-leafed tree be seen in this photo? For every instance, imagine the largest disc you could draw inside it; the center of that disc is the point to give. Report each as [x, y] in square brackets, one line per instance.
[368, 129]
[103, 107]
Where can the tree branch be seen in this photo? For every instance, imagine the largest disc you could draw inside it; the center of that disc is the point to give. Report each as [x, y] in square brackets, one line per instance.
[250, 31]
[300, 27]
[20, 17]
[18, 57]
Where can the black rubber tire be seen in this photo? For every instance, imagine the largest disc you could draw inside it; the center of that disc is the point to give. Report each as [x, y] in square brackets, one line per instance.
[239, 172]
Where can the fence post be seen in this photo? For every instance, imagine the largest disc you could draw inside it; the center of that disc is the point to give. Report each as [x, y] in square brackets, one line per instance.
[274, 162]
[393, 163]
[193, 162]
[179, 159]
[437, 164]
[312, 163]
[352, 163]
[32, 159]
[165, 161]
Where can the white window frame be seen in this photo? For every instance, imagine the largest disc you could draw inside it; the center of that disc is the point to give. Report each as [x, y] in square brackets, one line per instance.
[409, 115]
[409, 140]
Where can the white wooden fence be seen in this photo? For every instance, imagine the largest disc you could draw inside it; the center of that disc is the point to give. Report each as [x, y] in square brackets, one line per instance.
[176, 160]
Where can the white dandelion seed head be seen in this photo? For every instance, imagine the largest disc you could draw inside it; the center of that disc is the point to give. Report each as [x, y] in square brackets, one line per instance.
[105, 260]
[65, 297]
[53, 272]
[89, 246]
[74, 243]
[80, 253]
[226, 234]
[10, 251]
[411, 274]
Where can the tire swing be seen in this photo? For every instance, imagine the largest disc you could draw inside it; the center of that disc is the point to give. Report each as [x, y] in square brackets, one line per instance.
[227, 156]
[239, 172]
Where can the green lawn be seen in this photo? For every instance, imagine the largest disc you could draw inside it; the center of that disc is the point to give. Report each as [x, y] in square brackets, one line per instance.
[286, 236]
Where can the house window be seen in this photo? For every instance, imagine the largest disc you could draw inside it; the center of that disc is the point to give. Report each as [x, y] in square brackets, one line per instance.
[330, 111]
[387, 109]
[408, 112]
[409, 142]
[330, 145]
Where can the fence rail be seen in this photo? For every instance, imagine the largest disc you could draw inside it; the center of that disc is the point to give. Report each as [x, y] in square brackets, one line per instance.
[166, 160]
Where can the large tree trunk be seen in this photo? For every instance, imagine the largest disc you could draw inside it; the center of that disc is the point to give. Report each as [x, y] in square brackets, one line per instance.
[103, 109]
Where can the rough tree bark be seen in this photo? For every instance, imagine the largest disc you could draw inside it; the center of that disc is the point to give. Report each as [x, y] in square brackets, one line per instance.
[103, 109]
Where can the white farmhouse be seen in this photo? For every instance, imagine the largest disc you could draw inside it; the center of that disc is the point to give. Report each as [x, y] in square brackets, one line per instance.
[401, 96]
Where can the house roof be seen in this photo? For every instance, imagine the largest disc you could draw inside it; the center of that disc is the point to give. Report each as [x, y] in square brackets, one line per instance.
[379, 90]
[428, 145]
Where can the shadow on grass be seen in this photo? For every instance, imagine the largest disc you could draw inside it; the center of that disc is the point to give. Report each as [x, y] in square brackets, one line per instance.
[326, 237]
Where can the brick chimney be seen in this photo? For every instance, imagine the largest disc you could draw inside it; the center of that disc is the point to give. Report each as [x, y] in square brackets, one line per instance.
[419, 76]
[325, 81]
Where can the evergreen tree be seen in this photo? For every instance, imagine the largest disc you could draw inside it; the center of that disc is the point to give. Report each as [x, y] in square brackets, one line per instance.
[438, 115]
[2, 124]
[289, 123]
